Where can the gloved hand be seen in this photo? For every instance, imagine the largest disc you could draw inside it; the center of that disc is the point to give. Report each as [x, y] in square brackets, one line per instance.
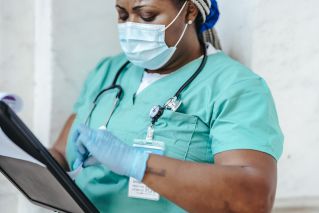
[110, 151]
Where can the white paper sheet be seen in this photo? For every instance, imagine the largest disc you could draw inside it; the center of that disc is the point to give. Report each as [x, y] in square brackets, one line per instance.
[14, 101]
[7, 147]
[10, 149]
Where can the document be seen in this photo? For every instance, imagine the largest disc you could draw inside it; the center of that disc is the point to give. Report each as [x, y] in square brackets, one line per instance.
[14, 101]
[43, 182]
[7, 147]
[10, 149]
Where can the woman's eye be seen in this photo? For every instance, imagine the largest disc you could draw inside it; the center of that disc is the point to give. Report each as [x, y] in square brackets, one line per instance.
[122, 16]
[148, 17]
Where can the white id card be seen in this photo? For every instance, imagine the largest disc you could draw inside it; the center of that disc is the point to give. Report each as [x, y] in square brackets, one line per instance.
[137, 189]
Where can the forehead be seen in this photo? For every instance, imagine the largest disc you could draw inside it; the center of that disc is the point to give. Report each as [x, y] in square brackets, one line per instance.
[157, 3]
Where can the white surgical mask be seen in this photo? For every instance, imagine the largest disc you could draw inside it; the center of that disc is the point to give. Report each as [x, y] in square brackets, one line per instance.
[144, 44]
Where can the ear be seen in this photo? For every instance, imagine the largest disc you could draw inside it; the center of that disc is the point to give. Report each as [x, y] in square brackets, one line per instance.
[192, 12]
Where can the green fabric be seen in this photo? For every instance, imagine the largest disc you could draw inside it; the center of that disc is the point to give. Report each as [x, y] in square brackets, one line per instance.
[226, 107]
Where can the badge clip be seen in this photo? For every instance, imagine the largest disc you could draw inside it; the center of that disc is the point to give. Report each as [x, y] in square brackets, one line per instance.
[150, 133]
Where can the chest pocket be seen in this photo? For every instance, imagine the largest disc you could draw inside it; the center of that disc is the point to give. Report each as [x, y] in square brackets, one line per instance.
[176, 131]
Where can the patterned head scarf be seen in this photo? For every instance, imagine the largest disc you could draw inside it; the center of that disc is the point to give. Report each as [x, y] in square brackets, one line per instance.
[210, 14]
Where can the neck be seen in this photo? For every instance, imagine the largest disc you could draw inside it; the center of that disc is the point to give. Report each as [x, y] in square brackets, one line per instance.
[193, 51]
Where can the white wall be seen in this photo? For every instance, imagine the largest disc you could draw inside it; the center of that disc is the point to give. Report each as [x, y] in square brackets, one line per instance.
[286, 53]
[83, 33]
[278, 40]
[16, 48]
[16, 62]
[282, 41]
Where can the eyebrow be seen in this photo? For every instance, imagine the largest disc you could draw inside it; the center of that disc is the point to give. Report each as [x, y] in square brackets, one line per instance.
[120, 7]
[136, 8]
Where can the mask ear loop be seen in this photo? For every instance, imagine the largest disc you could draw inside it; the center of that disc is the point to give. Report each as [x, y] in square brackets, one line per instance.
[176, 17]
[179, 13]
[185, 28]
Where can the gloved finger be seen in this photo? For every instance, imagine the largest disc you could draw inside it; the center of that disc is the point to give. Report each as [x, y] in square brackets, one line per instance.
[80, 146]
[81, 149]
[82, 127]
[91, 161]
[77, 163]
[75, 136]
[81, 154]
[86, 135]
[80, 130]
[73, 174]
[80, 135]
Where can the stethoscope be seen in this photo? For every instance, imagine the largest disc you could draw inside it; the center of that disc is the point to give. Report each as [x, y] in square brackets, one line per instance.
[117, 97]
[157, 111]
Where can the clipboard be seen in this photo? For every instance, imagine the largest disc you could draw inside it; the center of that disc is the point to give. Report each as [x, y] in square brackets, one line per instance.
[43, 181]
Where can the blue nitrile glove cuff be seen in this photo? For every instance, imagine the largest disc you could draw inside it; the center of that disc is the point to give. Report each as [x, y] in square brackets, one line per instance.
[112, 152]
[81, 151]
[139, 164]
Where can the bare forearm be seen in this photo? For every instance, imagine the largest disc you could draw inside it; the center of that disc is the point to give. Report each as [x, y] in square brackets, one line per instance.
[58, 148]
[208, 188]
[59, 158]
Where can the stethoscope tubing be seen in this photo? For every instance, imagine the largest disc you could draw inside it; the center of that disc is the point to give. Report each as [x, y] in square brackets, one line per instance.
[120, 89]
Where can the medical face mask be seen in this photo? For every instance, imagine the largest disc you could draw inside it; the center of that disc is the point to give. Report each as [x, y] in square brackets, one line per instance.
[144, 44]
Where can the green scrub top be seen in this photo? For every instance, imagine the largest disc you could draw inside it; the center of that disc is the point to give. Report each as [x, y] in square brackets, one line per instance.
[227, 107]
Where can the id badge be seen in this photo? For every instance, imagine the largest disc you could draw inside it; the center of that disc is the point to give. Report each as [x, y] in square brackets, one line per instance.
[136, 188]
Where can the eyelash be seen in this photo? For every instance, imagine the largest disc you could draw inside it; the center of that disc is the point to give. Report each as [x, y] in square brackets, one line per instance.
[123, 18]
[146, 19]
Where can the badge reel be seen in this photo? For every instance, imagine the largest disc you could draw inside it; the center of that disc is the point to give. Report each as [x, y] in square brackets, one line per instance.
[136, 188]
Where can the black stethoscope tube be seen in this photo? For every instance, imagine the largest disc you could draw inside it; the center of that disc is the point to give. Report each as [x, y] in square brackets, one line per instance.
[120, 90]
[192, 78]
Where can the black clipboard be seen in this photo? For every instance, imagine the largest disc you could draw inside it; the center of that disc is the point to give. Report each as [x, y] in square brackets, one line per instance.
[48, 186]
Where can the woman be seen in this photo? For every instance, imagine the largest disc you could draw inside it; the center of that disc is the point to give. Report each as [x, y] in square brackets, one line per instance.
[213, 148]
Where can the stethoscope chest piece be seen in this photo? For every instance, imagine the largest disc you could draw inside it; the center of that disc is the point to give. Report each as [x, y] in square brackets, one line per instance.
[173, 104]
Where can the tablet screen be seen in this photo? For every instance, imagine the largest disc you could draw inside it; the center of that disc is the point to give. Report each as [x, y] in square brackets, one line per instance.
[39, 177]
[38, 184]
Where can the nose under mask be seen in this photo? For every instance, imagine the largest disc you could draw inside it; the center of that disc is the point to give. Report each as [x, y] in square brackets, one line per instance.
[144, 44]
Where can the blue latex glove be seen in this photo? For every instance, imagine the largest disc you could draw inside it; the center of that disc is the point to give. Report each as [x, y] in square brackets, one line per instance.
[110, 151]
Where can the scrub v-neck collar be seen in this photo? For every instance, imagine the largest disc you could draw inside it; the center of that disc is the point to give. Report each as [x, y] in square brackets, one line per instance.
[161, 90]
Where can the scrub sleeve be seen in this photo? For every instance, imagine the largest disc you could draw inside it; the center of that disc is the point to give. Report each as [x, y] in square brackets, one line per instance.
[245, 118]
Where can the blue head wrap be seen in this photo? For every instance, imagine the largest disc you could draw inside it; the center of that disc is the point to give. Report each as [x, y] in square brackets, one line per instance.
[212, 18]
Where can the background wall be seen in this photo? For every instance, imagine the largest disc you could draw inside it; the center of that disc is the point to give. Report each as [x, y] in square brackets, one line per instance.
[278, 40]
[16, 71]
[48, 47]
